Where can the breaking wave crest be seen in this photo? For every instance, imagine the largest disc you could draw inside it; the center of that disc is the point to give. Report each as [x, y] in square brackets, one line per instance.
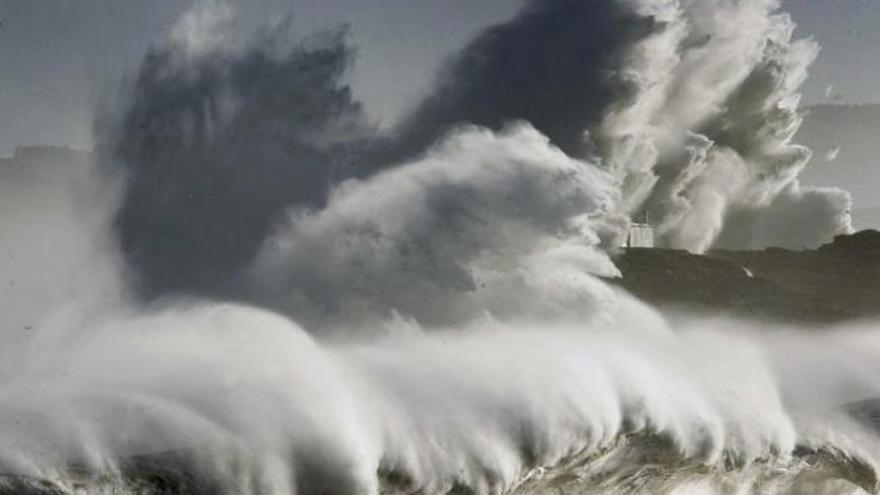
[204, 398]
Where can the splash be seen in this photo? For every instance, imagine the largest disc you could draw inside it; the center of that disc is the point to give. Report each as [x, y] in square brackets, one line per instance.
[484, 222]
[690, 106]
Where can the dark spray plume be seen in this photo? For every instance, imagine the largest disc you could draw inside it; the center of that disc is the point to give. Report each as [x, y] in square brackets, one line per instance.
[555, 65]
[485, 222]
[217, 140]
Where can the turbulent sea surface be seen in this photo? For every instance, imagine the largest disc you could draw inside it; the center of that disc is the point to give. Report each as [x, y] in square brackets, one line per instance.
[635, 463]
[651, 468]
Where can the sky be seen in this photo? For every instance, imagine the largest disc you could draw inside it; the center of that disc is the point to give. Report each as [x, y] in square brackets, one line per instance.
[60, 59]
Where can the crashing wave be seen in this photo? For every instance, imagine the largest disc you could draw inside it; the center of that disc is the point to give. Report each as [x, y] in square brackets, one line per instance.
[440, 327]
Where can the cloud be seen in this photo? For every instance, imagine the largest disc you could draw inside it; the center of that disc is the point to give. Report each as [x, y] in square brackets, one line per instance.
[555, 65]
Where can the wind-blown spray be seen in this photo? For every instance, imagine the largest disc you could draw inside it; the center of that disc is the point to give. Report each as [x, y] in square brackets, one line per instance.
[691, 106]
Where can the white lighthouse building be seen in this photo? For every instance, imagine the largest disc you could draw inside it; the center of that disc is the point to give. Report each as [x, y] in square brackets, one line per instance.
[641, 234]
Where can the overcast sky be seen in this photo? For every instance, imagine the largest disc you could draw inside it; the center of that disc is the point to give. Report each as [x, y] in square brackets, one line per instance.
[58, 58]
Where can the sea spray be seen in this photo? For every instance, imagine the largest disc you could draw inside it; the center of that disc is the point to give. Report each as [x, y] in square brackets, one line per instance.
[305, 305]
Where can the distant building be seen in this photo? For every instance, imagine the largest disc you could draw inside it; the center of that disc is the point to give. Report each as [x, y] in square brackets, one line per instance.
[641, 234]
